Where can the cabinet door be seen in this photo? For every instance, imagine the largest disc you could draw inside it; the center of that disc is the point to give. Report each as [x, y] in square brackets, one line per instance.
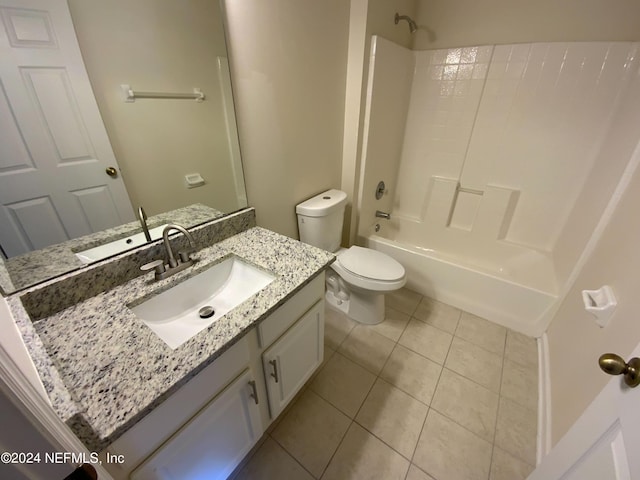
[214, 442]
[290, 361]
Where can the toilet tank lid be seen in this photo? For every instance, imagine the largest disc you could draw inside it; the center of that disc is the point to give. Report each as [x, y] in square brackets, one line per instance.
[322, 204]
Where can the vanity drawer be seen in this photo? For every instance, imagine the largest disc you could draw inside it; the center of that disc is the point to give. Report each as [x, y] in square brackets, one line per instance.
[285, 316]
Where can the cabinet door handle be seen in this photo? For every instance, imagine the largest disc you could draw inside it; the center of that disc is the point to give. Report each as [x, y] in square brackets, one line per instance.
[274, 364]
[254, 393]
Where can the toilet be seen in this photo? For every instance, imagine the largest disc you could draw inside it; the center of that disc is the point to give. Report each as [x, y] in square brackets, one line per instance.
[359, 277]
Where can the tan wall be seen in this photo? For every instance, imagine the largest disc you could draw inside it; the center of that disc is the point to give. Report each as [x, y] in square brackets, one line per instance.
[380, 20]
[288, 64]
[575, 341]
[447, 23]
[160, 45]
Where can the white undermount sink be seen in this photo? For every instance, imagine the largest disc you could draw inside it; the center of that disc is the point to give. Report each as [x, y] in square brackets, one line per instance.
[117, 246]
[174, 315]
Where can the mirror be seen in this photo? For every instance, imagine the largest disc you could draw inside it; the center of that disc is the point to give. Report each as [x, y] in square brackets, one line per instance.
[165, 147]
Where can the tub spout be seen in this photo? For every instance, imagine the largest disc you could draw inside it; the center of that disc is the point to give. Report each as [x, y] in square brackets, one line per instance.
[383, 215]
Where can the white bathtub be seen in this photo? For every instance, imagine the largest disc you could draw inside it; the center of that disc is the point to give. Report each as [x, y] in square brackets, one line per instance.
[509, 293]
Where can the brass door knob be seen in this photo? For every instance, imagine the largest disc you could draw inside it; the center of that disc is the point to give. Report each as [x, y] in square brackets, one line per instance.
[614, 365]
[111, 171]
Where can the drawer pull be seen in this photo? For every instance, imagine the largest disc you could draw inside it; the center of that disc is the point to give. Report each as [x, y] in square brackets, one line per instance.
[254, 395]
[274, 364]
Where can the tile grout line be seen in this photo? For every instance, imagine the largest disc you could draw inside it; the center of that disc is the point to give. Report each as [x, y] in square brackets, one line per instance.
[373, 434]
[352, 420]
[527, 367]
[432, 397]
[422, 355]
[495, 430]
[408, 393]
[472, 380]
[306, 387]
[378, 377]
[463, 376]
[453, 336]
[439, 328]
[348, 333]
[248, 457]
[324, 470]
[396, 343]
[419, 436]
[367, 367]
[291, 455]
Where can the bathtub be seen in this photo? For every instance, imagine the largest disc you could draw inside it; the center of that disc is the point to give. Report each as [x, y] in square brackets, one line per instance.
[514, 292]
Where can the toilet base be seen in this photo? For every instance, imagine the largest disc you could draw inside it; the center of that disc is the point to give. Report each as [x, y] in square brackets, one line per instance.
[363, 307]
[336, 304]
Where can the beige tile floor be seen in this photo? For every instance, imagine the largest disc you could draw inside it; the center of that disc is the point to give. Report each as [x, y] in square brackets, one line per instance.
[432, 393]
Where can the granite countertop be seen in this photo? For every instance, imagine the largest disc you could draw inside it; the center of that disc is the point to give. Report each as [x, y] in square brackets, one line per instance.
[104, 370]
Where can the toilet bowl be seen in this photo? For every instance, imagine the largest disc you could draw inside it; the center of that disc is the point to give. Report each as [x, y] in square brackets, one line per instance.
[360, 276]
[365, 275]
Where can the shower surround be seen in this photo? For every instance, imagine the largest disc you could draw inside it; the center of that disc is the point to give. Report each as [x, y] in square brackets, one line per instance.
[499, 161]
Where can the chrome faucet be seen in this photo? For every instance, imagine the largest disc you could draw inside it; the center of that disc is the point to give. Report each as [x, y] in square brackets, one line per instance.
[174, 264]
[380, 214]
[185, 255]
[142, 216]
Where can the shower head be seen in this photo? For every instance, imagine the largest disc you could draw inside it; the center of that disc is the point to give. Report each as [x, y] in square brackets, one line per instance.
[412, 25]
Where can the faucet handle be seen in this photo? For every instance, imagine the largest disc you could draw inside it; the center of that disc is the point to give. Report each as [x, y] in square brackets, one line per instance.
[185, 255]
[158, 265]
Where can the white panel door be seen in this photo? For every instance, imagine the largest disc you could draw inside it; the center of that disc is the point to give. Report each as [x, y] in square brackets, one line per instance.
[604, 442]
[213, 443]
[291, 361]
[54, 147]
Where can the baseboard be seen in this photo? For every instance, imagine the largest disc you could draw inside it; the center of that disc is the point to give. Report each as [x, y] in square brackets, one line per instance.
[544, 399]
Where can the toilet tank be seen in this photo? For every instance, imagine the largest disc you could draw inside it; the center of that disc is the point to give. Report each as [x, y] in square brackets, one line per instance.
[320, 219]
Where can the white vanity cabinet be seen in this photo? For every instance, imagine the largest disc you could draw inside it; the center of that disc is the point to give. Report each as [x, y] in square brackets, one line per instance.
[207, 427]
[152, 447]
[214, 442]
[293, 358]
[291, 344]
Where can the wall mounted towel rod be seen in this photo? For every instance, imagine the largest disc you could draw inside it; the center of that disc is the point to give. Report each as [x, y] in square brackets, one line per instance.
[130, 95]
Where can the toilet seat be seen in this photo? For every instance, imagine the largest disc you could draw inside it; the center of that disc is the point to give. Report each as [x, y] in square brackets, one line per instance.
[369, 269]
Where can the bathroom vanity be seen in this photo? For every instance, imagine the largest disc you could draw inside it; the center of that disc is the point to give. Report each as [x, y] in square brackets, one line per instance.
[213, 421]
[203, 405]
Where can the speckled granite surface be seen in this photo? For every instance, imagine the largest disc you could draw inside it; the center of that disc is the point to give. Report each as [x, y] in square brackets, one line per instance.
[56, 295]
[49, 262]
[6, 284]
[104, 369]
